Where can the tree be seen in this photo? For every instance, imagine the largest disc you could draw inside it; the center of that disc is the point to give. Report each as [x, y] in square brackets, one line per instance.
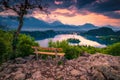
[20, 8]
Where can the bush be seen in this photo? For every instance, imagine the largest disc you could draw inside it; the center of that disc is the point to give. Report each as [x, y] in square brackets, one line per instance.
[24, 45]
[113, 49]
[71, 52]
[5, 45]
[63, 44]
[2, 50]
[2, 47]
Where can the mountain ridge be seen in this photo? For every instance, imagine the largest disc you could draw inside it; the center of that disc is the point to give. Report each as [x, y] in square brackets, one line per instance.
[103, 31]
[34, 23]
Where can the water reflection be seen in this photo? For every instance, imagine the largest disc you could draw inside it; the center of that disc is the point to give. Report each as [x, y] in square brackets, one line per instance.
[83, 41]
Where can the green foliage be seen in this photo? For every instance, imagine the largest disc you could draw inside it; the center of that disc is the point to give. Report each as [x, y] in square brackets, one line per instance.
[70, 51]
[111, 39]
[75, 51]
[2, 49]
[40, 34]
[60, 62]
[89, 49]
[103, 31]
[73, 40]
[24, 45]
[5, 45]
[113, 49]
[63, 44]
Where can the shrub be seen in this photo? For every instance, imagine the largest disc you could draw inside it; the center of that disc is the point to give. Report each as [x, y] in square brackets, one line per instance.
[63, 44]
[71, 52]
[5, 45]
[2, 50]
[24, 45]
[113, 49]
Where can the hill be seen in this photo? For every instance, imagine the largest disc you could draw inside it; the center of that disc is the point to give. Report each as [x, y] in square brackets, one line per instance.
[38, 35]
[104, 31]
[118, 33]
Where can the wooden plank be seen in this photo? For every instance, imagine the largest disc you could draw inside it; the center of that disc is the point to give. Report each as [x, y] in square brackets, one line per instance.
[50, 53]
[49, 49]
[52, 49]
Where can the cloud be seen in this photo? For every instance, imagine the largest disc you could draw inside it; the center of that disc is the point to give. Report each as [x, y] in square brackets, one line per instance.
[104, 7]
[58, 2]
[65, 12]
[107, 8]
[82, 3]
[113, 14]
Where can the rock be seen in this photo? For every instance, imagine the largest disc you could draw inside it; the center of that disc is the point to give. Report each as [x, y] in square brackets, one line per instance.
[50, 79]
[19, 76]
[75, 72]
[8, 71]
[85, 54]
[20, 60]
[37, 75]
[83, 77]
[107, 72]
[92, 67]
[96, 77]
[30, 57]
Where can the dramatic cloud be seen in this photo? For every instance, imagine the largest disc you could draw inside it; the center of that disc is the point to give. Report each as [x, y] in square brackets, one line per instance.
[77, 12]
[104, 7]
[101, 6]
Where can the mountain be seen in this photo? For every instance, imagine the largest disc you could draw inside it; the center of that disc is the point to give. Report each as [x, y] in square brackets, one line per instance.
[104, 31]
[112, 27]
[9, 21]
[88, 26]
[118, 33]
[56, 23]
[31, 23]
[39, 35]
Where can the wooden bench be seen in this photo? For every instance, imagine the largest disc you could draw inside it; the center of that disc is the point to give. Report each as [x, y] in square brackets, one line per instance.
[48, 51]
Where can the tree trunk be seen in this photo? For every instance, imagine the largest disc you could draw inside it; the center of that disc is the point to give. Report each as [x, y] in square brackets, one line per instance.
[16, 34]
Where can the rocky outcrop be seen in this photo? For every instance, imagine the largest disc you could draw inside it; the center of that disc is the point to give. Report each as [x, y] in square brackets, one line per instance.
[90, 67]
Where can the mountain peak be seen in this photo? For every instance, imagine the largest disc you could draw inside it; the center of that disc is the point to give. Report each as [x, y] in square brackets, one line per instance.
[56, 23]
[88, 24]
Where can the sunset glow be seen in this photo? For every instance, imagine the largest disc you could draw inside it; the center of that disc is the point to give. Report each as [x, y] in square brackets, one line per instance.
[79, 12]
[71, 17]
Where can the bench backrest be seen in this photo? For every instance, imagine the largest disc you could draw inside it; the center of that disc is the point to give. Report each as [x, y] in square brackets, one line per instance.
[37, 48]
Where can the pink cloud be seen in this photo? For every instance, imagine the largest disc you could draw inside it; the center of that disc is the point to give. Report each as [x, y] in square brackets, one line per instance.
[58, 2]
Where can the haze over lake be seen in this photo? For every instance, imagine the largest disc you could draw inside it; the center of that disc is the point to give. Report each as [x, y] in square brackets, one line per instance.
[83, 41]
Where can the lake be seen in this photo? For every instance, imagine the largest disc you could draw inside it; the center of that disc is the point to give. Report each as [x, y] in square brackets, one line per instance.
[83, 40]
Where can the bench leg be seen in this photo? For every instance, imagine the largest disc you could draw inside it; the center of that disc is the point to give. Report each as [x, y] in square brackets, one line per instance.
[37, 56]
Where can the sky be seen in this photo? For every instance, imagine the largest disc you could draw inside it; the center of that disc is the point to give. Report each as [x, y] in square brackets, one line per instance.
[79, 12]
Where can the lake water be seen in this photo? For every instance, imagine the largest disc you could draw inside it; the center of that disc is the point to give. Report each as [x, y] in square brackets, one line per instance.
[83, 41]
